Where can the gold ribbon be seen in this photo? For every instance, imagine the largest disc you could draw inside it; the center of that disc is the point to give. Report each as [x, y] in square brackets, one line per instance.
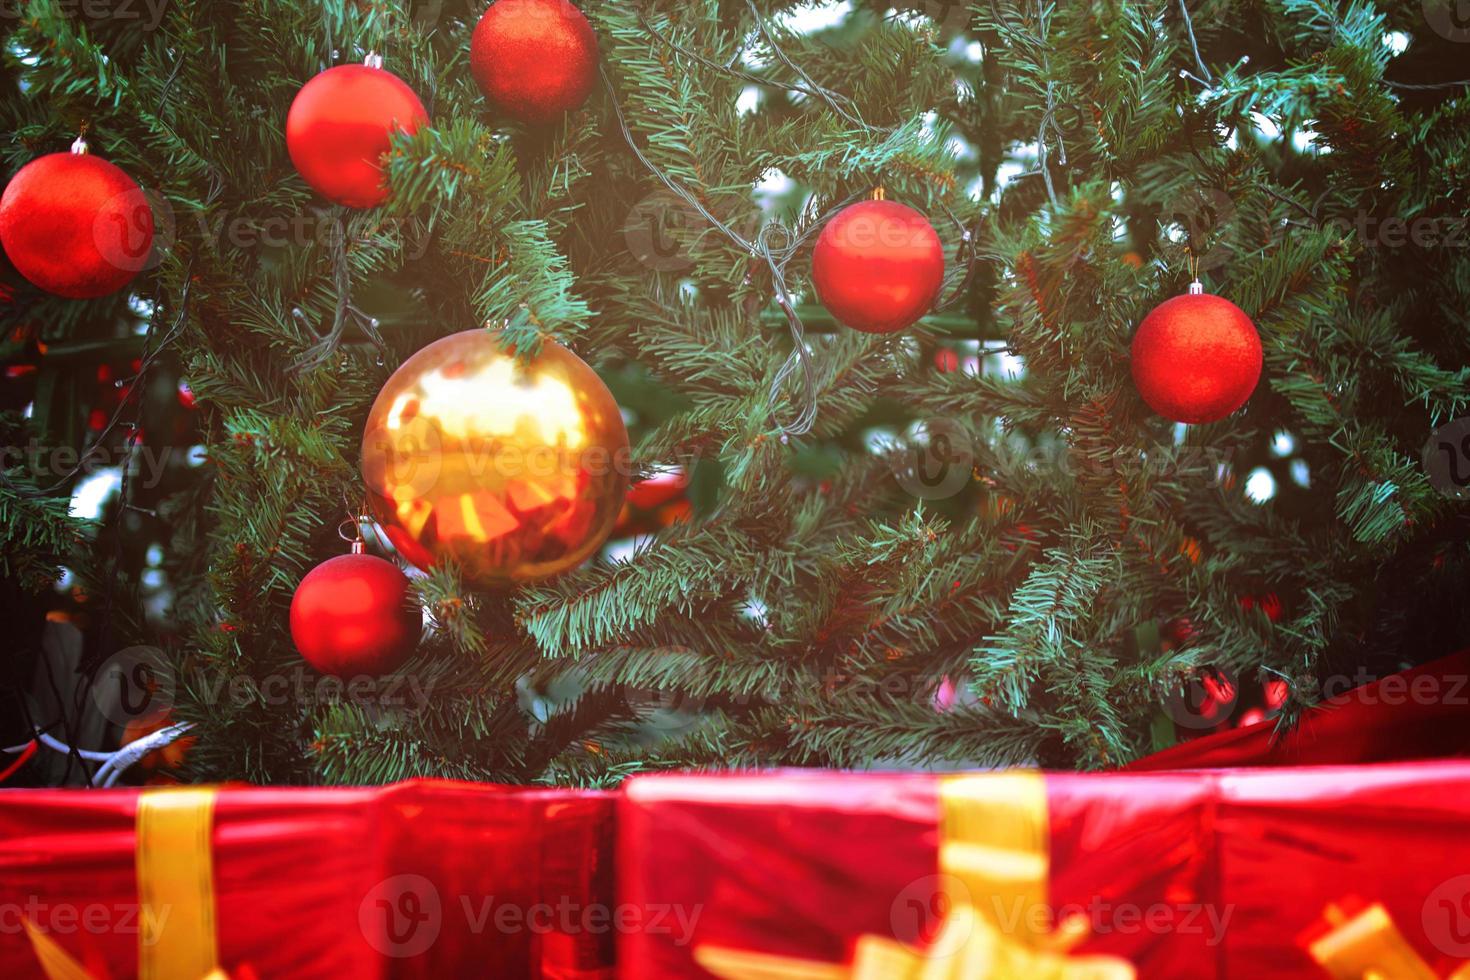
[55, 962]
[1369, 946]
[995, 856]
[175, 869]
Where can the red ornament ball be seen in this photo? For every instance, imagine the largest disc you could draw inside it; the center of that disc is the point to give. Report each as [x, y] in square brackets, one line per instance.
[338, 131]
[1196, 358]
[354, 615]
[878, 266]
[75, 225]
[534, 59]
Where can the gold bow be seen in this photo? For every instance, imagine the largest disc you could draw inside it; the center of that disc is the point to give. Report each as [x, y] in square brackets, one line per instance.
[175, 869]
[1369, 946]
[995, 846]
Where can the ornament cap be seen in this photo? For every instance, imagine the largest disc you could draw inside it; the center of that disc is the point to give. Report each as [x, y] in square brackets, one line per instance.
[354, 536]
[880, 193]
[79, 146]
[1196, 288]
[373, 60]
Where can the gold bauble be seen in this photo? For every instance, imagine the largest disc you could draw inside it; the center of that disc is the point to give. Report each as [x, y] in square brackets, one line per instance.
[515, 469]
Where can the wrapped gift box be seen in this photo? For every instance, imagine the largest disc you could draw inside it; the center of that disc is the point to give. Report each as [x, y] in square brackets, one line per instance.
[1322, 871]
[1423, 713]
[420, 879]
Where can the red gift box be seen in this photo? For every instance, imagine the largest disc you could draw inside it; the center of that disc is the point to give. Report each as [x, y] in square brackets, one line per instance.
[1423, 713]
[420, 879]
[1326, 871]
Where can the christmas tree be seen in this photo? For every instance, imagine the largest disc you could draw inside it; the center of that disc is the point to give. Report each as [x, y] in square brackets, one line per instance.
[986, 537]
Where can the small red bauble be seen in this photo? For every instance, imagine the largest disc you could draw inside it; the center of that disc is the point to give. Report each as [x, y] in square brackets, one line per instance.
[1196, 358]
[353, 615]
[534, 59]
[339, 127]
[878, 266]
[75, 225]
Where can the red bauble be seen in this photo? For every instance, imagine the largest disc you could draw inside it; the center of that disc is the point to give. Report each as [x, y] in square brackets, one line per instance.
[659, 489]
[354, 614]
[75, 225]
[878, 266]
[534, 59]
[338, 131]
[1196, 358]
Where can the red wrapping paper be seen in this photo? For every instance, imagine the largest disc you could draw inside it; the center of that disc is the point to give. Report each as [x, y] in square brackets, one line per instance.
[1422, 713]
[305, 881]
[1187, 874]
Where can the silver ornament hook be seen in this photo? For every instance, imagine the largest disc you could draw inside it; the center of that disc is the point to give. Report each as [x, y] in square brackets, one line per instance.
[1196, 288]
[354, 537]
[373, 60]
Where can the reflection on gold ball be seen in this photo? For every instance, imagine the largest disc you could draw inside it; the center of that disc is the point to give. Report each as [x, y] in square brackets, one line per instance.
[514, 469]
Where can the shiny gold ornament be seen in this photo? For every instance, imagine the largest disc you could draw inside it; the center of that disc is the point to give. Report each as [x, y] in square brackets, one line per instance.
[515, 470]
